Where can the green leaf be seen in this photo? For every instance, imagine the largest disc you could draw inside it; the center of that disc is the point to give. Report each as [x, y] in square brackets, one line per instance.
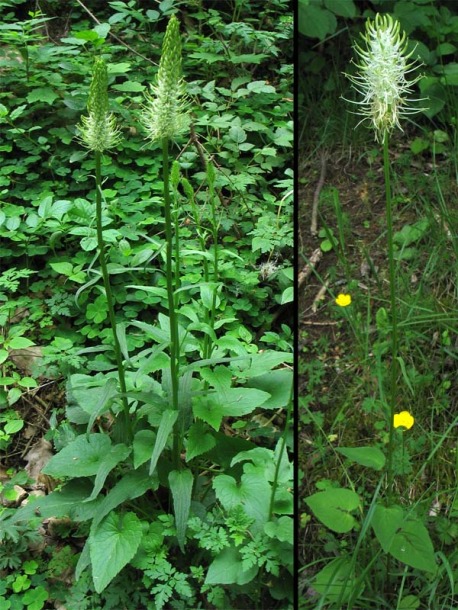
[42, 94]
[143, 446]
[62, 268]
[287, 295]
[282, 529]
[19, 343]
[112, 546]
[227, 569]
[117, 454]
[181, 482]
[199, 440]
[241, 401]
[345, 9]
[405, 538]
[80, 458]
[208, 409]
[66, 502]
[93, 399]
[102, 29]
[132, 485]
[333, 506]
[372, 457]
[326, 245]
[336, 581]
[165, 428]
[13, 426]
[237, 134]
[129, 86]
[253, 493]
[277, 384]
[3, 355]
[409, 602]
[314, 21]
[260, 86]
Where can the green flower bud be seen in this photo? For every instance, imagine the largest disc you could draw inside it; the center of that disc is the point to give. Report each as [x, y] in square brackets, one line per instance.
[98, 131]
[164, 114]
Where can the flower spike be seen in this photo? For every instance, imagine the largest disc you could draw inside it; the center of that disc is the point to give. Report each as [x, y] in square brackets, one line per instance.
[98, 131]
[164, 114]
[381, 79]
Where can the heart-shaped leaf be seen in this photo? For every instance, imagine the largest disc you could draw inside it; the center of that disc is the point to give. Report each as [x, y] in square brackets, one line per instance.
[333, 506]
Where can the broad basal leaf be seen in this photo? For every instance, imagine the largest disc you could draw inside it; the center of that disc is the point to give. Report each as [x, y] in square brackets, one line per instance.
[87, 456]
[333, 507]
[112, 546]
[80, 458]
[405, 538]
[253, 493]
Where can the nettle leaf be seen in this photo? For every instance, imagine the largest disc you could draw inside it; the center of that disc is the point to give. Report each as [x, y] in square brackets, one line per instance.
[405, 538]
[42, 94]
[372, 457]
[181, 482]
[333, 507]
[112, 546]
[209, 409]
[241, 401]
[199, 440]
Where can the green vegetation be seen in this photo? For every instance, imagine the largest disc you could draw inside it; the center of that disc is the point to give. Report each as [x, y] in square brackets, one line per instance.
[378, 358]
[145, 305]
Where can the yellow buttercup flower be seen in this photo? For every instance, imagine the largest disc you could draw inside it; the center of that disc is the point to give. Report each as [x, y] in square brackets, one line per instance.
[343, 300]
[403, 419]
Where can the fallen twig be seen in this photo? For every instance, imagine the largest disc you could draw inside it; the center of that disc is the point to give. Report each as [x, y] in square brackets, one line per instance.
[316, 195]
[307, 270]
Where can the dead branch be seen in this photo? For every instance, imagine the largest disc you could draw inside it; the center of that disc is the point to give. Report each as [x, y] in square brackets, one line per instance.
[307, 270]
[316, 195]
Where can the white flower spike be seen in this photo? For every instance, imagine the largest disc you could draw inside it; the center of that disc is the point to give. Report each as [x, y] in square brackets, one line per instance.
[382, 75]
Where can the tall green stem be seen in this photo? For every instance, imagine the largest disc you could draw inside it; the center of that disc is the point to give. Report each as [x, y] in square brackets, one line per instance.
[394, 332]
[124, 427]
[174, 346]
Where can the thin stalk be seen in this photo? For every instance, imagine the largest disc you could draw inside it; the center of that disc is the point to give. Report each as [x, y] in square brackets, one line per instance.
[394, 320]
[124, 424]
[174, 347]
[281, 453]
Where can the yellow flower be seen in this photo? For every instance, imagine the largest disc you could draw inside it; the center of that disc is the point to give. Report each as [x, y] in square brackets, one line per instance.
[404, 420]
[343, 300]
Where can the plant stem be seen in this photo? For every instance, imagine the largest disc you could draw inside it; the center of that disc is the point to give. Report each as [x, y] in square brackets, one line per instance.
[174, 347]
[281, 453]
[394, 332]
[124, 424]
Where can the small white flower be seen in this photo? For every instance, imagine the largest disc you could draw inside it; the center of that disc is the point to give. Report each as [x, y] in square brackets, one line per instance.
[382, 75]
